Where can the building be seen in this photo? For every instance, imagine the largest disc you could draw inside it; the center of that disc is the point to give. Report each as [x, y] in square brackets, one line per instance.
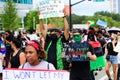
[115, 6]
[23, 6]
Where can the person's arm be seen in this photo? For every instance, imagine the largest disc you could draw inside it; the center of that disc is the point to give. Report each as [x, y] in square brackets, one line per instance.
[22, 58]
[9, 65]
[91, 56]
[42, 28]
[66, 26]
[25, 37]
[91, 53]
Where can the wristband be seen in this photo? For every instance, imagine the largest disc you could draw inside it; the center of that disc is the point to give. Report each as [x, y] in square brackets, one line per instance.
[64, 16]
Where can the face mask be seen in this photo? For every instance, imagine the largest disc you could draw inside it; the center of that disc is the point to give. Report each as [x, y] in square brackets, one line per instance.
[77, 38]
[53, 36]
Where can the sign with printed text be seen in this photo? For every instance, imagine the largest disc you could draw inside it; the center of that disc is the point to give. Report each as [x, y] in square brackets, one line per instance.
[25, 74]
[51, 8]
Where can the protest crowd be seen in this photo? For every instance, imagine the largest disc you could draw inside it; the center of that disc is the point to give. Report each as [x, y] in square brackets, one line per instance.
[80, 51]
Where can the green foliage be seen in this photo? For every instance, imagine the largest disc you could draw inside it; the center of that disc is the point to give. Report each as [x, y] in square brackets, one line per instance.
[31, 20]
[111, 19]
[57, 22]
[9, 16]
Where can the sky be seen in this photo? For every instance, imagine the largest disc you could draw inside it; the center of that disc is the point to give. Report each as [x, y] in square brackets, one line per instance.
[88, 7]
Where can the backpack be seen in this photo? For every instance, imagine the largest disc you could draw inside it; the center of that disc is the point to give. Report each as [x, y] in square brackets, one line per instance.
[97, 48]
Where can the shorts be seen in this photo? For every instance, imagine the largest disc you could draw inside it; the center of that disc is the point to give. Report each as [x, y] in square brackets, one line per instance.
[113, 59]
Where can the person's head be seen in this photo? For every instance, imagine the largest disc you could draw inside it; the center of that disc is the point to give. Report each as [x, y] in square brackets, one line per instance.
[77, 35]
[34, 52]
[8, 34]
[15, 43]
[55, 33]
[114, 37]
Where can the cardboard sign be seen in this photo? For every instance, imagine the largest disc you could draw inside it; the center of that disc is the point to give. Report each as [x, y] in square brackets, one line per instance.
[25, 74]
[51, 8]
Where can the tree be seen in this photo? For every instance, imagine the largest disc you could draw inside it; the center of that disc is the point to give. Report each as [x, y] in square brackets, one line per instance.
[31, 20]
[9, 16]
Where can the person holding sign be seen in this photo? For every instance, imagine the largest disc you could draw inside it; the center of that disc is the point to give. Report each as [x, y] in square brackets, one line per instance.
[35, 55]
[81, 53]
[54, 42]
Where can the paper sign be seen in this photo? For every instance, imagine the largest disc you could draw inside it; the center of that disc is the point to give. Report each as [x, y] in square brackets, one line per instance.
[23, 74]
[51, 8]
[80, 26]
[102, 23]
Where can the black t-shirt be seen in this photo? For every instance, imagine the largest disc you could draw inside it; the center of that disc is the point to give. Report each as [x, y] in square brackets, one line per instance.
[110, 49]
[51, 57]
[102, 42]
[81, 69]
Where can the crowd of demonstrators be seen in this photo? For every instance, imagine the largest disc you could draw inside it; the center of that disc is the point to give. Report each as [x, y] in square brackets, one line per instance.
[79, 51]
[35, 56]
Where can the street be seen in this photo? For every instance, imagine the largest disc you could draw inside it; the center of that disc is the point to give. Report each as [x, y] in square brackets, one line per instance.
[102, 75]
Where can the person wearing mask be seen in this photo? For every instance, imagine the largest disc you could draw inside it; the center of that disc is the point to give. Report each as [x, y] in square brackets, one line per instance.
[54, 42]
[111, 57]
[35, 56]
[81, 53]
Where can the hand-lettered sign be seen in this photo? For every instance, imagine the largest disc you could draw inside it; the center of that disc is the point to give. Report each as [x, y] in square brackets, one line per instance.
[51, 8]
[25, 74]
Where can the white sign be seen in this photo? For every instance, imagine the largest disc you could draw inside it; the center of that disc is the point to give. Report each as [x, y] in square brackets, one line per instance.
[51, 8]
[80, 26]
[25, 74]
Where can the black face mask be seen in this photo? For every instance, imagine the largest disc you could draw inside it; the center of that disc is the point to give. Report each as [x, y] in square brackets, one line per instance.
[53, 36]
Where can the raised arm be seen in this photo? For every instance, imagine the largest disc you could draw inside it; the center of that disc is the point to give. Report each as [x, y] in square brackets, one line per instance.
[66, 27]
[42, 28]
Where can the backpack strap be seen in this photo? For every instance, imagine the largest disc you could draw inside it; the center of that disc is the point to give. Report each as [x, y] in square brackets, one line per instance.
[48, 66]
[22, 66]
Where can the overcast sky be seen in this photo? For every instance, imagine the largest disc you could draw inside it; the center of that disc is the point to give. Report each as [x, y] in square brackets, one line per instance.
[89, 7]
[86, 7]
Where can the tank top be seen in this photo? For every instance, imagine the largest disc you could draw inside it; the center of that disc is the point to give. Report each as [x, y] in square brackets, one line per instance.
[15, 60]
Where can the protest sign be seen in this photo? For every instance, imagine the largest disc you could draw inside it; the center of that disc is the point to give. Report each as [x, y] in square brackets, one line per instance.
[101, 23]
[25, 74]
[51, 8]
[80, 26]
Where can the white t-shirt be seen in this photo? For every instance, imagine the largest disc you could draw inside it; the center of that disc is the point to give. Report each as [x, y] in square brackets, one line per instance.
[42, 65]
[33, 37]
